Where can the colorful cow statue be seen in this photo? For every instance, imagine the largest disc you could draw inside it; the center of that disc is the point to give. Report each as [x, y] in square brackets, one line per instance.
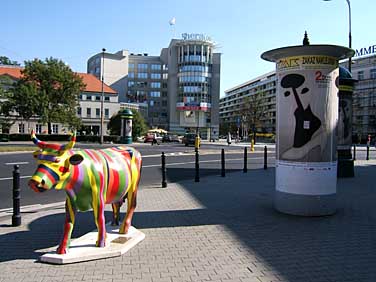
[91, 179]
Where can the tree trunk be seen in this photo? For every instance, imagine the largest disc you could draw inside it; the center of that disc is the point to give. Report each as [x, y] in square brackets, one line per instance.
[49, 128]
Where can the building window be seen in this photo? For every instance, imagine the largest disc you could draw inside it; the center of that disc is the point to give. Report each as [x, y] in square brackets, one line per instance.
[155, 85]
[360, 75]
[97, 98]
[155, 76]
[151, 103]
[21, 128]
[131, 66]
[88, 97]
[38, 128]
[107, 99]
[131, 75]
[130, 83]
[156, 67]
[106, 113]
[373, 73]
[88, 112]
[156, 94]
[165, 76]
[55, 129]
[142, 75]
[97, 112]
[79, 111]
[142, 66]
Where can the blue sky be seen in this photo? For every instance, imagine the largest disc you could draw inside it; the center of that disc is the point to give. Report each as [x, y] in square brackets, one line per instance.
[74, 30]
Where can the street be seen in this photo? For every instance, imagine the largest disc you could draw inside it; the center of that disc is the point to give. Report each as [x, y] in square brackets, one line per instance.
[180, 165]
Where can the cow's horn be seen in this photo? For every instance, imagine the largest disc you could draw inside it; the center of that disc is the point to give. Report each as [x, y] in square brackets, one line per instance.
[36, 141]
[71, 142]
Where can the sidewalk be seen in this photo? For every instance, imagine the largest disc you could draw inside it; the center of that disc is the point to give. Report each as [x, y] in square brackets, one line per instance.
[220, 229]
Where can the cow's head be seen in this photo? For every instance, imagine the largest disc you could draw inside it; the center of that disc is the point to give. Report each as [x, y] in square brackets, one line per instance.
[54, 161]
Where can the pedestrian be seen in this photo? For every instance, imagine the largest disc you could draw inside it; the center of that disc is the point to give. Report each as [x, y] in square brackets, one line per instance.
[155, 140]
[229, 139]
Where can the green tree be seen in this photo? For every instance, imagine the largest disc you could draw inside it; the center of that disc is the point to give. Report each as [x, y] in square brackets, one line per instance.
[6, 61]
[139, 127]
[24, 99]
[58, 90]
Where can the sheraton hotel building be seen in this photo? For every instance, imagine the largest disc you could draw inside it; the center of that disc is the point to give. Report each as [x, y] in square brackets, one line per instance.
[177, 90]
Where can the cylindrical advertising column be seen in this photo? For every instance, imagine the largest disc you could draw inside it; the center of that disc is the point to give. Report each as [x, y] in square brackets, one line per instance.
[126, 126]
[307, 116]
[345, 160]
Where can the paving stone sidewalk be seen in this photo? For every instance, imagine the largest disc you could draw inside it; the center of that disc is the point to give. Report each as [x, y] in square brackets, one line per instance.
[220, 229]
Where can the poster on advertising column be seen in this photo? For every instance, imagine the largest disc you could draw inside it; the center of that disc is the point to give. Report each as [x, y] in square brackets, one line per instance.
[307, 109]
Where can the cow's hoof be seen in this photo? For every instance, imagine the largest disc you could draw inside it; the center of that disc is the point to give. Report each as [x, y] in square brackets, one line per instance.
[124, 230]
[100, 244]
[61, 251]
[115, 223]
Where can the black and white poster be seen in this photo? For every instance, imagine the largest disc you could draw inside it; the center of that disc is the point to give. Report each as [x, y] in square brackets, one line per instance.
[307, 116]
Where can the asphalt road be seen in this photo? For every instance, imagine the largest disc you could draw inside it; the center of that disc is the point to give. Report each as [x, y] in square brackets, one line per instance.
[180, 164]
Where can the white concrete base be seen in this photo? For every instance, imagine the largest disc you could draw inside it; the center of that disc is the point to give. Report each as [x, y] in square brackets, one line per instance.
[84, 249]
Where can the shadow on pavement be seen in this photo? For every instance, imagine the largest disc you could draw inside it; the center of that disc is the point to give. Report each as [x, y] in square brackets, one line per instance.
[341, 247]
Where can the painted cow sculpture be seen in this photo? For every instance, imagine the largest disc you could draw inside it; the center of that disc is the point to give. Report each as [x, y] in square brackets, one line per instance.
[91, 179]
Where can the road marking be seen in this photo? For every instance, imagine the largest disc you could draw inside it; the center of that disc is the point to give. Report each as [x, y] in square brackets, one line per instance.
[10, 178]
[168, 164]
[31, 208]
[19, 163]
[192, 162]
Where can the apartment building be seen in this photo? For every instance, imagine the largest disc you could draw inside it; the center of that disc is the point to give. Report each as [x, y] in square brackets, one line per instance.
[363, 68]
[259, 92]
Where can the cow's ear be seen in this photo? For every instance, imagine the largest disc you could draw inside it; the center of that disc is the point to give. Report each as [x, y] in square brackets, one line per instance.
[76, 159]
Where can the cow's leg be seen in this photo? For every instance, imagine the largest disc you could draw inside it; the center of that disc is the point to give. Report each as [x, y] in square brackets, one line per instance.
[100, 222]
[132, 202]
[116, 213]
[70, 214]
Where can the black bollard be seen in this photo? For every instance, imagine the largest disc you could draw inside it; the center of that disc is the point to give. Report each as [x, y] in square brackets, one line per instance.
[223, 174]
[265, 158]
[354, 152]
[245, 160]
[367, 157]
[197, 167]
[16, 218]
[164, 183]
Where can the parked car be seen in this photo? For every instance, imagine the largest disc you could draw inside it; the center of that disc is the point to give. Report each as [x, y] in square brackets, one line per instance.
[170, 138]
[152, 136]
[189, 139]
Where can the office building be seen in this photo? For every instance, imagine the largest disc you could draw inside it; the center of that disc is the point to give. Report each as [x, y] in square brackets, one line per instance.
[180, 87]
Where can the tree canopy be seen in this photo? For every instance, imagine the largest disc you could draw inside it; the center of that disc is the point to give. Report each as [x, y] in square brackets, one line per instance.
[6, 61]
[50, 90]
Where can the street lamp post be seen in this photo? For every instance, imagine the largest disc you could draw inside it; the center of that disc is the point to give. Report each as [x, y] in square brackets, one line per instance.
[102, 98]
[350, 39]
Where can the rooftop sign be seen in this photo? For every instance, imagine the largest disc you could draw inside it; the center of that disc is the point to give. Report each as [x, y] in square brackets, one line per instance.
[365, 51]
[196, 36]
